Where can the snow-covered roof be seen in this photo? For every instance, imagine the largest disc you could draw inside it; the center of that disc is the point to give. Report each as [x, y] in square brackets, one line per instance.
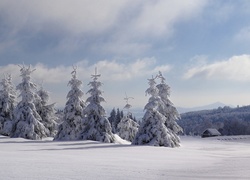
[212, 131]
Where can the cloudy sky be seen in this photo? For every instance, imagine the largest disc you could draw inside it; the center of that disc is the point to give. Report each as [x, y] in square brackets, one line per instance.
[201, 47]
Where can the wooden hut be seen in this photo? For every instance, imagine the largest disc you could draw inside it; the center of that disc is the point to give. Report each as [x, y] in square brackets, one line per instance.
[210, 133]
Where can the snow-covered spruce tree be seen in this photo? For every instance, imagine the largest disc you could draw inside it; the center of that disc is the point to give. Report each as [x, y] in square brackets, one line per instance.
[7, 105]
[127, 128]
[168, 110]
[27, 122]
[96, 125]
[152, 130]
[71, 126]
[46, 111]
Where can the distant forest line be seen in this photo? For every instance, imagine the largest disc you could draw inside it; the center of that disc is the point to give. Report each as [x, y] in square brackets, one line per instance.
[229, 121]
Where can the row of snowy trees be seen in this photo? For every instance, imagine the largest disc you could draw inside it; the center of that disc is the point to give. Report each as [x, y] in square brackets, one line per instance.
[33, 118]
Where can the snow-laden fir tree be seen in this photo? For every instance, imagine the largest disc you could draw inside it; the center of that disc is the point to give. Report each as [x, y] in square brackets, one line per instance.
[152, 130]
[71, 126]
[46, 111]
[27, 122]
[168, 110]
[7, 105]
[127, 128]
[96, 125]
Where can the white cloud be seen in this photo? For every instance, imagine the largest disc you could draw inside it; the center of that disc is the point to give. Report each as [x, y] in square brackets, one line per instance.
[124, 21]
[87, 16]
[116, 71]
[111, 27]
[199, 60]
[76, 16]
[235, 68]
[122, 47]
[158, 17]
[110, 70]
[41, 74]
[12, 69]
[51, 75]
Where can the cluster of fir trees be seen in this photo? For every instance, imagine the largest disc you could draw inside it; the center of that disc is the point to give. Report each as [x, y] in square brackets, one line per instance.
[116, 115]
[126, 125]
[159, 126]
[85, 120]
[32, 117]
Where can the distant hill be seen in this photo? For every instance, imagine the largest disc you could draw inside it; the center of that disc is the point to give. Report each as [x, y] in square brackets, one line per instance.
[139, 112]
[206, 107]
[228, 120]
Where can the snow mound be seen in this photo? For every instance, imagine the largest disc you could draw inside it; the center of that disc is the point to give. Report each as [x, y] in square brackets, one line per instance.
[119, 140]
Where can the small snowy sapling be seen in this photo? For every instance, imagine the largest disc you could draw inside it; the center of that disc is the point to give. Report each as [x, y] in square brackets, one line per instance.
[127, 128]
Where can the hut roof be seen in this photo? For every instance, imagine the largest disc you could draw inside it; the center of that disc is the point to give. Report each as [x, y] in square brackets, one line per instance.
[211, 131]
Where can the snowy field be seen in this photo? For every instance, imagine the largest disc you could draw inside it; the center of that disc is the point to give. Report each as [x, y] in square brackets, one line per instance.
[197, 158]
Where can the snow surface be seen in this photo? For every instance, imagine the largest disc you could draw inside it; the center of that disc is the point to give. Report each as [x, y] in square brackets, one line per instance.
[197, 158]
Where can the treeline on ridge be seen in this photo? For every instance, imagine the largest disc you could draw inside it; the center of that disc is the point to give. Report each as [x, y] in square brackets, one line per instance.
[227, 120]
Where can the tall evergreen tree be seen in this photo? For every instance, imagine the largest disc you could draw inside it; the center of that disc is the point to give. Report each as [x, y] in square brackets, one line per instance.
[71, 126]
[7, 105]
[96, 125]
[46, 111]
[152, 130]
[27, 122]
[168, 109]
